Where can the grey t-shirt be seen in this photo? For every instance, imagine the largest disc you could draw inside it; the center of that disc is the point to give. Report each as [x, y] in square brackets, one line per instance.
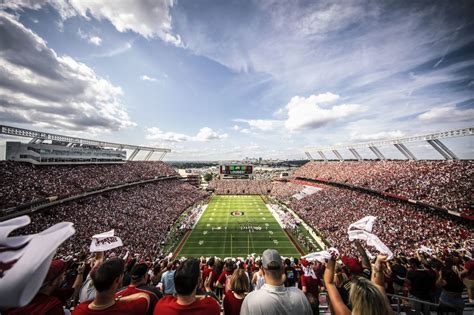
[276, 300]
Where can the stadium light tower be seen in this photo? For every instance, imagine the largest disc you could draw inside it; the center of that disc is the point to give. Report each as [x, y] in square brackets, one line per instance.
[434, 139]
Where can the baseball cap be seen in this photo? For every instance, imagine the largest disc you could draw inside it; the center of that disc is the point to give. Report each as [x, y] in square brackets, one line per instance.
[353, 264]
[271, 259]
[56, 268]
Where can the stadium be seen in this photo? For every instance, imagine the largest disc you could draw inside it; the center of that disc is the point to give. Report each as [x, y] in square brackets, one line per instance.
[102, 212]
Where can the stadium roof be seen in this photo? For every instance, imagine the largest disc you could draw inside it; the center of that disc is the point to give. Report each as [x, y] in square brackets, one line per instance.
[434, 139]
[39, 136]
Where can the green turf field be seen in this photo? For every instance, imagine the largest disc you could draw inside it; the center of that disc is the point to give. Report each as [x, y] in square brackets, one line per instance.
[219, 233]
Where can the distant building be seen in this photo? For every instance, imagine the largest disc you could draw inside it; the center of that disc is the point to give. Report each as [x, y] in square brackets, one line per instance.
[190, 176]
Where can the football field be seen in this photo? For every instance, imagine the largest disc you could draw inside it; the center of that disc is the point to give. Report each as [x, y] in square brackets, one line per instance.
[236, 226]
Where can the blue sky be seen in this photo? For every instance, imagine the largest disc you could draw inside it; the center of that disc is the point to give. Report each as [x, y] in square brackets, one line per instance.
[231, 79]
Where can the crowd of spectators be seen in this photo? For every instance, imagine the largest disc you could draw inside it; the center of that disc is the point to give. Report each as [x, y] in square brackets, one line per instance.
[24, 182]
[268, 284]
[446, 184]
[402, 227]
[192, 216]
[285, 190]
[286, 220]
[141, 216]
[281, 189]
[145, 282]
[241, 186]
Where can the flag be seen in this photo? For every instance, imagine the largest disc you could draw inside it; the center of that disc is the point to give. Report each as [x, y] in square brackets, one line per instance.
[371, 240]
[26, 259]
[321, 256]
[366, 224]
[105, 241]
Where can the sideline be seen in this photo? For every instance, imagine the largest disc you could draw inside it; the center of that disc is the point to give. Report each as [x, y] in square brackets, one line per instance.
[295, 244]
[181, 244]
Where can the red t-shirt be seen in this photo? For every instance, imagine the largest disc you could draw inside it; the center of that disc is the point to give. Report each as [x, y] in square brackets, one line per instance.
[42, 304]
[232, 304]
[131, 289]
[136, 307]
[169, 306]
[311, 284]
[205, 275]
[223, 277]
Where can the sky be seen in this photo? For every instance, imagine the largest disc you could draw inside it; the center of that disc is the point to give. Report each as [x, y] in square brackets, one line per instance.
[221, 80]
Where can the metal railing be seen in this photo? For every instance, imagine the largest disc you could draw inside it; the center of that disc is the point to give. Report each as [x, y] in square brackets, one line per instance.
[400, 298]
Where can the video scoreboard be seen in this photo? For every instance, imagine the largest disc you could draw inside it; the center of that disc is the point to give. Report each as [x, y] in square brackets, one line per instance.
[236, 170]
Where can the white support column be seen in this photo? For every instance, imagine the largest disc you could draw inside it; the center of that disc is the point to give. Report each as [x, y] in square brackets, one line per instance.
[446, 149]
[404, 150]
[338, 155]
[134, 154]
[148, 156]
[355, 153]
[309, 156]
[377, 152]
[442, 149]
[437, 148]
[36, 140]
[323, 156]
[162, 156]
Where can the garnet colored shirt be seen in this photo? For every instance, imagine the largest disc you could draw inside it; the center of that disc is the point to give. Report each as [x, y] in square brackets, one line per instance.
[152, 292]
[223, 277]
[205, 275]
[311, 284]
[42, 304]
[136, 307]
[169, 306]
[232, 304]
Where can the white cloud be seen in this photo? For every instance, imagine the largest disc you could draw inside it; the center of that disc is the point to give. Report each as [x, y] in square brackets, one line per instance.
[40, 88]
[148, 18]
[236, 128]
[447, 114]
[305, 113]
[261, 124]
[204, 134]
[207, 134]
[147, 78]
[116, 51]
[95, 40]
[155, 133]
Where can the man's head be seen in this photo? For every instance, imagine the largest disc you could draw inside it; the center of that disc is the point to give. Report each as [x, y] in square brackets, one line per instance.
[55, 275]
[414, 263]
[187, 276]
[229, 265]
[139, 272]
[109, 275]
[211, 262]
[272, 265]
